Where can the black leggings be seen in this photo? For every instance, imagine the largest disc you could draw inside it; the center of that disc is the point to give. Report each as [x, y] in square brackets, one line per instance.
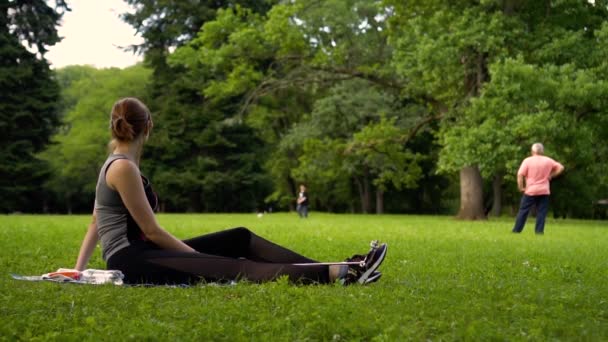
[223, 256]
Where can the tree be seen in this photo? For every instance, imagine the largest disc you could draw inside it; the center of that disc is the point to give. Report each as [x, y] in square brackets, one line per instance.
[452, 53]
[206, 162]
[354, 134]
[562, 106]
[380, 149]
[552, 94]
[295, 49]
[29, 98]
[329, 160]
[80, 147]
[305, 87]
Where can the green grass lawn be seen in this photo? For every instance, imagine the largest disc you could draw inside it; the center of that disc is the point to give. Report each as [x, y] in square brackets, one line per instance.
[443, 280]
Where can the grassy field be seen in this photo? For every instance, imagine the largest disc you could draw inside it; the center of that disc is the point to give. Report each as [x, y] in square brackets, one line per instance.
[443, 280]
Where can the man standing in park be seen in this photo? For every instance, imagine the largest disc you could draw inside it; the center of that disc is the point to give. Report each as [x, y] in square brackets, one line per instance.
[536, 171]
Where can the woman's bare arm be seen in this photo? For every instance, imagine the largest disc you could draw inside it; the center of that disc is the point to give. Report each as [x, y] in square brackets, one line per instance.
[125, 178]
[88, 245]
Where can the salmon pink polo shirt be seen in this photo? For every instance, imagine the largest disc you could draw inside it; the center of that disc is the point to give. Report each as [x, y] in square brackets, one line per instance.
[536, 170]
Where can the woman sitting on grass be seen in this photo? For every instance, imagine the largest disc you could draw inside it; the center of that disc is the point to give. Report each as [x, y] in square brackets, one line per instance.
[133, 242]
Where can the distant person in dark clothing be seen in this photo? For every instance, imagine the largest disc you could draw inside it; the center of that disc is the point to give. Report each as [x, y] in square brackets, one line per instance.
[302, 202]
[533, 179]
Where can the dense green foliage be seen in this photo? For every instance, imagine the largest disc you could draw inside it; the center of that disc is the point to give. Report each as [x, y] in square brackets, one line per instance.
[350, 103]
[29, 100]
[79, 148]
[202, 160]
[375, 105]
[511, 73]
[442, 280]
[316, 90]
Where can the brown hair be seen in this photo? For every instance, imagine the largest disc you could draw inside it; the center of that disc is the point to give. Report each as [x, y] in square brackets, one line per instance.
[130, 118]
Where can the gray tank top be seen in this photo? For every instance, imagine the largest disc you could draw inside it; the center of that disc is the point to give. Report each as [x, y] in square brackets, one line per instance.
[112, 214]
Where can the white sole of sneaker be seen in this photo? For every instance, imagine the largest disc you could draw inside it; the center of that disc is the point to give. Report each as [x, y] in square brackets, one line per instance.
[369, 271]
[373, 278]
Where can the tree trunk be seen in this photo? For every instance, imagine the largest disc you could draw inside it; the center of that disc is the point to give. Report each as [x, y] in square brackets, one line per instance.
[360, 191]
[471, 194]
[194, 203]
[364, 193]
[367, 195]
[379, 201]
[294, 192]
[45, 206]
[497, 194]
[508, 7]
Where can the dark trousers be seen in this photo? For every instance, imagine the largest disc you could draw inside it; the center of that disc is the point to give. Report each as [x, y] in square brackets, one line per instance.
[541, 202]
[302, 210]
[226, 255]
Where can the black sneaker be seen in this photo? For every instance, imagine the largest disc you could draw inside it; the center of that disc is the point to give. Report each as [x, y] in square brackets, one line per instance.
[365, 272]
[372, 261]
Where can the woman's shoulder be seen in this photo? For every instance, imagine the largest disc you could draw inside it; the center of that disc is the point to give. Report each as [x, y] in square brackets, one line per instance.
[122, 170]
[123, 165]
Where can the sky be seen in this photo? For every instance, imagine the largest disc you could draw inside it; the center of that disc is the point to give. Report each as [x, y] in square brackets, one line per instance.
[92, 33]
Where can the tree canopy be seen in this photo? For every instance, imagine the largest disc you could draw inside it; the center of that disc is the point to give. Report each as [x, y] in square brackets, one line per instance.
[506, 74]
[401, 106]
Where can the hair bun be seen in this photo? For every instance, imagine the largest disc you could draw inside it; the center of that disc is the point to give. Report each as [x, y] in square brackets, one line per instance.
[122, 129]
[130, 118]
